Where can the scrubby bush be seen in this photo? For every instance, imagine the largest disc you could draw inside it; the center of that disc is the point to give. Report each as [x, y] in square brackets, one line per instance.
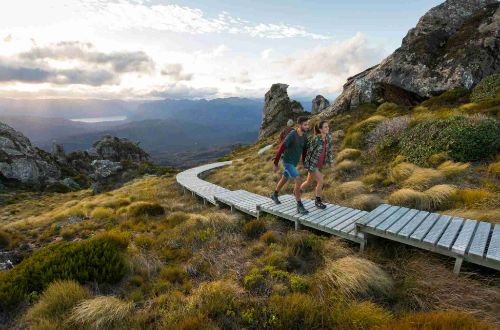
[356, 135]
[145, 208]
[99, 260]
[254, 228]
[463, 138]
[448, 98]
[348, 153]
[385, 136]
[299, 284]
[438, 320]
[354, 277]
[488, 88]
[57, 301]
[101, 313]
[296, 311]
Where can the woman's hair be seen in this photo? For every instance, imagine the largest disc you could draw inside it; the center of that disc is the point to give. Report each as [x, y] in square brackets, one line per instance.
[319, 126]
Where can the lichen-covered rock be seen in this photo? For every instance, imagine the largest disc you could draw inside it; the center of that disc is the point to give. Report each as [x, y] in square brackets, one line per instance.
[20, 161]
[319, 103]
[117, 149]
[278, 109]
[455, 44]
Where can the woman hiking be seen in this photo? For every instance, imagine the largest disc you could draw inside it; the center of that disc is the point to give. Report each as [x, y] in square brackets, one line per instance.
[318, 155]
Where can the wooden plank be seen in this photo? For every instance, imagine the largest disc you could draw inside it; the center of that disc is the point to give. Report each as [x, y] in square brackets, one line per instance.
[424, 227]
[464, 237]
[342, 219]
[402, 220]
[451, 232]
[329, 209]
[407, 230]
[351, 228]
[350, 221]
[332, 217]
[378, 221]
[434, 235]
[373, 214]
[480, 239]
[493, 253]
[329, 214]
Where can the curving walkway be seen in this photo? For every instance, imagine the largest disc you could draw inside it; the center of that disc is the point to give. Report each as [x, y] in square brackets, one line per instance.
[463, 239]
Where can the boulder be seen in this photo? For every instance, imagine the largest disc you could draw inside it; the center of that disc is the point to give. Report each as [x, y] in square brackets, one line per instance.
[58, 153]
[455, 44]
[20, 161]
[117, 149]
[278, 109]
[319, 103]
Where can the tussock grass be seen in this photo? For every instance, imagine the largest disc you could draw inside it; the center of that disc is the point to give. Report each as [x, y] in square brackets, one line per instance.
[440, 196]
[362, 315]
[57, 301]
[297, 311]
[350, 189]
[346, 167]
[145, 208]
[216, 299]
[490, 215]
[355, 277]
[402, 171]
[409, 198]
[102, 213]
[494, 168]
[438, 320]
[452, 169]
[366, 202]
[373, 179]
[102, 312]
[423, 178]
[348, 153]
[472, 198]
[437, 159]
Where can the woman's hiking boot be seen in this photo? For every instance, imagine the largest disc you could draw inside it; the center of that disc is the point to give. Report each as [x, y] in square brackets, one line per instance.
[319, 204]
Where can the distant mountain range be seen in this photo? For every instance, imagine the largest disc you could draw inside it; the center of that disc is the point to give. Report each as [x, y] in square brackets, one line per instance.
[174, 132]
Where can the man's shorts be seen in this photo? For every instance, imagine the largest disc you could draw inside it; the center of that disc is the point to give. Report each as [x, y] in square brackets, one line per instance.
[290, 171]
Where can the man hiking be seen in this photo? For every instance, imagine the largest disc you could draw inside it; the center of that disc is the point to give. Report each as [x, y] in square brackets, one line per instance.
[293, 148]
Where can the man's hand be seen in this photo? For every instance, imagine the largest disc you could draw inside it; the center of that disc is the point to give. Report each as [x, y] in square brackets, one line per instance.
[276, 168]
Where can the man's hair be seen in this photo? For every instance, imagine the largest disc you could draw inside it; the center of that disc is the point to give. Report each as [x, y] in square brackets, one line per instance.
[302, 119]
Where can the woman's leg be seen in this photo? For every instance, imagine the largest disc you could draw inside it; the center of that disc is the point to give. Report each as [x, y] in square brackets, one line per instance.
[307, 182]
[318, 177]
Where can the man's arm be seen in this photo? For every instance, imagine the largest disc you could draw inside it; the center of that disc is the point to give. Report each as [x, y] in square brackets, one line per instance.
[304, 150]
[285, 144]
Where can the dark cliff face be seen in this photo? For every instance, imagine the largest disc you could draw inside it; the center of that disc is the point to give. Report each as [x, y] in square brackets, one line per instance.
[455, 44]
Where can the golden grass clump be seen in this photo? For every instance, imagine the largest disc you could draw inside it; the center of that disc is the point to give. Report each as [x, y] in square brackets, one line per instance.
[402, 171]
[409, 198]
[57, 301]
[346, 167]
[102, 213]
[354, 277]
[423, 178]
[216, 299]
[472, 197]
[438, 320]
[439, 196]
[362, 315]
[102, 312]
[451, 169]
[348, 153]
[373, 179]
[350, 189]
[297, 311]
[436, 159]
[494, 168]
[366, 202]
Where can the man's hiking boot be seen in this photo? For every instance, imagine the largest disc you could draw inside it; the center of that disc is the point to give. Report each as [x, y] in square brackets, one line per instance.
[319, 204]
[301, 209]
[274, 197]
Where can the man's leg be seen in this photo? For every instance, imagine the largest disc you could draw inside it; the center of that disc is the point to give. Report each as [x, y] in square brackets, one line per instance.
[281, 183]
[297, 191]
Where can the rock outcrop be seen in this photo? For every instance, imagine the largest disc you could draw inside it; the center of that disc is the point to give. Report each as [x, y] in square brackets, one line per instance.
[117, 150]
[278, 109]
[319, 103]
[455, 44]
[21, 161]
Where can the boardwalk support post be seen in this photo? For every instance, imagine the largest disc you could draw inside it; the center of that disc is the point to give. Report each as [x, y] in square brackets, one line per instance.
[362, 245]
[458, 265]
[297, 224]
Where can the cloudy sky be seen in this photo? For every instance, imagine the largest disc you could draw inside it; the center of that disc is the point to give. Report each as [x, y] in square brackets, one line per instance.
[134, 49]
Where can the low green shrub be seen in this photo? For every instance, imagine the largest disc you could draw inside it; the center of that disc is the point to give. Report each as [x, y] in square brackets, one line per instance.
[5, 240]
[464, 138]
[488, 88]
[448, 98]
[299, 284]
[296, 311]
[361, 315]
[99, 259]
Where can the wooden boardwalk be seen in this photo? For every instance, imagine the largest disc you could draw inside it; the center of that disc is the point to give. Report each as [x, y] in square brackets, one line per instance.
[463, 239]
